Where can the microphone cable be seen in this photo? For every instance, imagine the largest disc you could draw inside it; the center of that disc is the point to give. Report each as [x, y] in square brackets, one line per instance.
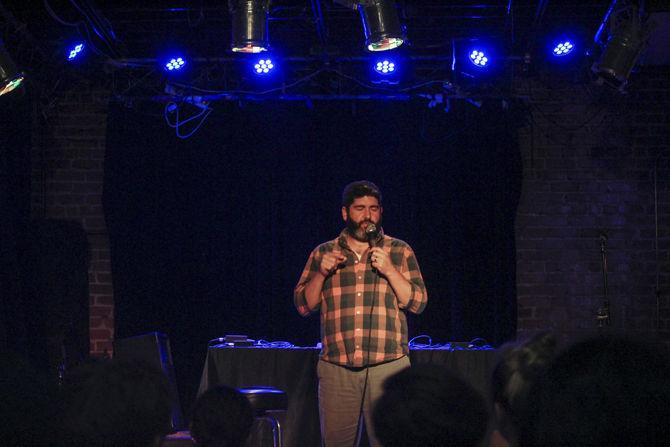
[371, 232]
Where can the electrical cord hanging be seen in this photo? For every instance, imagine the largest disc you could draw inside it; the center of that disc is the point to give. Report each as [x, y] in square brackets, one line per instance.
[98, 28]
[170, 107]
[367, 351]
[56, 17]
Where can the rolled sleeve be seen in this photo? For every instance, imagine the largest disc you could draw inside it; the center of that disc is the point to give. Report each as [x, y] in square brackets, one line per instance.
[419, 298]
[299, 299]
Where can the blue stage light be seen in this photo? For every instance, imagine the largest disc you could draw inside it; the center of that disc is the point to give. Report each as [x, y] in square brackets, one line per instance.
[75, 51]
[479, 58]
[563, 48]
[175, 64]
[263, 66]
[388, 71]
[385, 67]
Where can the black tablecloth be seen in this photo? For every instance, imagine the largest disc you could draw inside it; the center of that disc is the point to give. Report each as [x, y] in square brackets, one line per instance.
[294, 371]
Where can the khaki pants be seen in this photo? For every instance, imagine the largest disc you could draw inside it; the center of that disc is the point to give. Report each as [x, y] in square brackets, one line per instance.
[340, 392]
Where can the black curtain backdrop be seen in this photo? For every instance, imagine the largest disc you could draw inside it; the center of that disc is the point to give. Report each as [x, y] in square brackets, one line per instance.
[15, 145]
[43, 263]
[209, 234]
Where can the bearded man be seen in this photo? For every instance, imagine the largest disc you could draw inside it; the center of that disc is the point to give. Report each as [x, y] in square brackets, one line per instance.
[362, 283]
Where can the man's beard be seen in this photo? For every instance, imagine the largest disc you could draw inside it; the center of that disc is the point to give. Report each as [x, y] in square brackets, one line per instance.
[357, 231]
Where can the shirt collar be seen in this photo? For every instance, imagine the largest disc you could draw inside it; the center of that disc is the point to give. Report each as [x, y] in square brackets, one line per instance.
[342, 239]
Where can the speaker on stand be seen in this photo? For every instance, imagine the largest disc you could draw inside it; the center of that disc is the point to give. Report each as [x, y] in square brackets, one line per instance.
[153, 349]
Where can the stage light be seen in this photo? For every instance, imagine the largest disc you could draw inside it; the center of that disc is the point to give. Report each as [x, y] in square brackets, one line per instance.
[249, 25]
[563, 48]
[388, 71]
[75, 51]
[478, 58]
[627, 38]
[263, 66]
[619, 56]
[10, 77]
[384, 67]
[559, 50]
[478, 63]
[175, 64]
[381, 25]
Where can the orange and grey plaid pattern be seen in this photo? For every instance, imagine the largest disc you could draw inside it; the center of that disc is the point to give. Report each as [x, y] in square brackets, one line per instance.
[362, 322]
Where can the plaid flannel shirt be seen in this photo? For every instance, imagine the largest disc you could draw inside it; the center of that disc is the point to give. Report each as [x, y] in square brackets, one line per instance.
[350, 335]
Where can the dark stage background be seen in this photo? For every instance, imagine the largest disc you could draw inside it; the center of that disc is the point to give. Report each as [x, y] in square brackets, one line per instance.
[44, 312]
[209, 235]
[15, 139]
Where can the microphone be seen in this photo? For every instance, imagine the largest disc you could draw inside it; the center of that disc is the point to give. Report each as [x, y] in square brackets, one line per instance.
[371, 233]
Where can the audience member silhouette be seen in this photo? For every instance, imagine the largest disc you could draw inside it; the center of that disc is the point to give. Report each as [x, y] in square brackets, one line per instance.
[28, 403]
[605, 391]
[221, 417]
[116, 404]
[518, 367]
[427, 406]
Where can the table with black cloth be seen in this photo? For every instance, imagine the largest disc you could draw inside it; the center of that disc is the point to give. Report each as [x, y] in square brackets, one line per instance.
[294, 371]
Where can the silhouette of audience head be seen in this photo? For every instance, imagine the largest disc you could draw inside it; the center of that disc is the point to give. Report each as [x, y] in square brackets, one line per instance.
[426, 406]
[518, 367]
[604, 391]
[221, 417]
[28, 403]
[116, 404]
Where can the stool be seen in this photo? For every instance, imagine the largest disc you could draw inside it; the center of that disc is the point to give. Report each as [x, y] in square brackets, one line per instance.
[264, 400]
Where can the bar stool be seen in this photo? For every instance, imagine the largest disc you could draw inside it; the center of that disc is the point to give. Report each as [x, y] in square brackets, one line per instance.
[264, 401]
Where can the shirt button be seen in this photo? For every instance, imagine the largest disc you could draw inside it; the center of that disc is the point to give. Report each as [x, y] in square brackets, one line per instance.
[355, 262]
[358, 329]
[359, 293]
[358, 312]
[360, 277]
[357, 347]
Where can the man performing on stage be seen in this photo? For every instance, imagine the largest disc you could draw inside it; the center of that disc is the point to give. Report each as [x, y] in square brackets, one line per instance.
[362, 283]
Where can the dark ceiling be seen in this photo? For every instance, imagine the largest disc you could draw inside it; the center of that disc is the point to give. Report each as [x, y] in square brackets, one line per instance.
[302, 27]
[134, 32]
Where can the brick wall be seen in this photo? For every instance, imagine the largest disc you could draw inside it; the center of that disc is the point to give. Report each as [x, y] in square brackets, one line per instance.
[68, 156]
[589, 169]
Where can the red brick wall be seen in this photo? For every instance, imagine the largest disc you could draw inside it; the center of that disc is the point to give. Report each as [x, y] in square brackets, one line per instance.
[589, 168]
[68, 157]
